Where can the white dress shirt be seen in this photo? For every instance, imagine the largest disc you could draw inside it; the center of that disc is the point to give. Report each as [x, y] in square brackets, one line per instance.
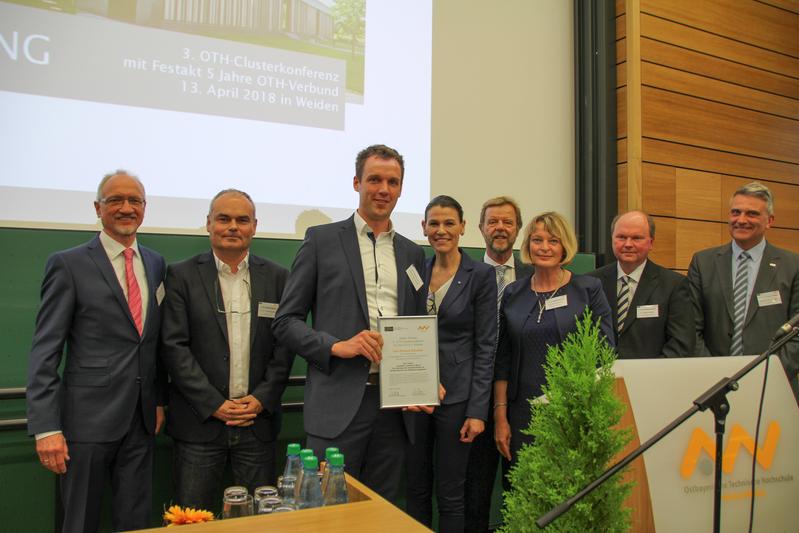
[632, 282]
[379, 273]
[235, 303]
[510, 272]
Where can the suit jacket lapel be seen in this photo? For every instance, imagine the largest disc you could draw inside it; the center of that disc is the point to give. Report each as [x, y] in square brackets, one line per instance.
[459, 282]
[401, 260]
[258, 289]
[349, 242]
[100, 258]
[152, 285]
[609, 285]
[210, 280]
[724, 272]
[764, 280]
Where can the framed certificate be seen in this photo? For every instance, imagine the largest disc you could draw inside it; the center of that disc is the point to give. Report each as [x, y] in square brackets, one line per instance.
[409, 368]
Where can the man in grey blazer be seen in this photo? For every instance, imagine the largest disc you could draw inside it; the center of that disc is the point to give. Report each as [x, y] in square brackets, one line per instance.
[744, 290]
[227, 372]
[500, 221]
[95, 424]
[347, 274]
[658, 318]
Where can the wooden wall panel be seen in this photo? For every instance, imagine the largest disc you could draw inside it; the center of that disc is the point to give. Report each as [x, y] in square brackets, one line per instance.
[687, 120]
[719, 107]
[716, 45]
[621, 113]
[683, 59]
[787, 5]
[718, 91]
[621, 183]
[761, 25]
[621, 50]
[681, 155]
[659, 190]
[784, 238]
[663, 251]
[694, 235]
[698, 194]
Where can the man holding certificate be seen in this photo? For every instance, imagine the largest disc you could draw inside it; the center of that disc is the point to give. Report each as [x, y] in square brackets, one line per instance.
[348, 274]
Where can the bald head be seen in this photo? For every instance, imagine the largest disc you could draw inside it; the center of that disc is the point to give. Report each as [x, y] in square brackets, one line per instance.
[633, 237]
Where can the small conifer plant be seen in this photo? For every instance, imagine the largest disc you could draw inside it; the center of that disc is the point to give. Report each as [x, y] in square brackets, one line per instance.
[575, 441]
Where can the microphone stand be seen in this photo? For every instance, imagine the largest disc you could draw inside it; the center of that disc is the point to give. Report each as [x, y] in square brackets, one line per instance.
[715, 399]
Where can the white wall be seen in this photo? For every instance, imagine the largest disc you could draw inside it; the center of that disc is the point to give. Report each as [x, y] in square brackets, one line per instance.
[503, 105]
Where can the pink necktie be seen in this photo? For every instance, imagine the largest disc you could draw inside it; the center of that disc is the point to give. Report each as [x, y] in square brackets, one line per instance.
[134, 294]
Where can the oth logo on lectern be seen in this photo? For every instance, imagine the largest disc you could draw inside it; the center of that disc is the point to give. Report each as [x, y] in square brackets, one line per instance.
[738, 439]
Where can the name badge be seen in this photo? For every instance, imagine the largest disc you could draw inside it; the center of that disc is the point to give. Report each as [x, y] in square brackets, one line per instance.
[557, 301]
[413, 275]
[769, 298]
[267, 310]
[647, 311]
[160, 292]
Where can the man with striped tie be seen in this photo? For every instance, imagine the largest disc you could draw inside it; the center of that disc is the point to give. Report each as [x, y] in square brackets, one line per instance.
[500, 221]
[95, 422]
[652, 313]
[744, 290]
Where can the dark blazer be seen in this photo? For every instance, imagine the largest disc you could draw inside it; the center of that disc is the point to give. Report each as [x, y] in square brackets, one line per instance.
[710, 276]
[327, 280]
[523, 270]
[671, 333]
[467, 331]
[581, 292]
[109, 367]
[195, 349]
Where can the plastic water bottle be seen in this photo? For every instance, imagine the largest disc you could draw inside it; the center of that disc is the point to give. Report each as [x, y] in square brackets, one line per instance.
[305, 452]
[293, 465]
[310, 492]
[336, 488]
[326, 470]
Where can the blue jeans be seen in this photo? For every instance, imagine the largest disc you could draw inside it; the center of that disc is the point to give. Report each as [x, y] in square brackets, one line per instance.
[199, 466]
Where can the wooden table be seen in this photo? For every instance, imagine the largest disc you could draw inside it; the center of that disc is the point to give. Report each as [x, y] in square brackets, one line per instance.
[366, 512]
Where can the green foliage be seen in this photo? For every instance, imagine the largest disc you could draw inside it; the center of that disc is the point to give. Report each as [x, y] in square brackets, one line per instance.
[349, 21]
[574, 441]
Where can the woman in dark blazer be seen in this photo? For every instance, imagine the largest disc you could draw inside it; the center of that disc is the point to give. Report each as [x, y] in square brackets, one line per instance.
[538, 311]
[463, 293]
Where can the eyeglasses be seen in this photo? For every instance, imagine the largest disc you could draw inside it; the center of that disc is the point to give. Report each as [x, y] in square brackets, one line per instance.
[220, 305]
[118, 201]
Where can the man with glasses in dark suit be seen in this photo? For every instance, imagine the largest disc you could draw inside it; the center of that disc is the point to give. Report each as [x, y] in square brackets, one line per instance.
[227, 371]
[95, 422]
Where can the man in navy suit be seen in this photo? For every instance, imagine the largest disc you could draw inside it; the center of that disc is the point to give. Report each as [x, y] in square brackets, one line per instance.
[96, 423]
[654, 302]
[500, 221]
[227, 372]
[347, 274]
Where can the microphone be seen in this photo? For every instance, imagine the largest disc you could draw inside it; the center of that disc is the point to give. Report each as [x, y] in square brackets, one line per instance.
[787, 327]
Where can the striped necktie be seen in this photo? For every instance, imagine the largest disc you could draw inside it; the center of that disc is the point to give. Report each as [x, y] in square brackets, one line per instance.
[623, 303]
[502, 281]
[134, 293]
[739, 292]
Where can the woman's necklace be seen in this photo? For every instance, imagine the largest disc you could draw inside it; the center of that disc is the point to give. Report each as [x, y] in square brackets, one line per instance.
[543, 304]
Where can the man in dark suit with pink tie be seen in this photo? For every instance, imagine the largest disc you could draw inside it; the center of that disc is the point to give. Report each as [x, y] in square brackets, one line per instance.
[95, 423]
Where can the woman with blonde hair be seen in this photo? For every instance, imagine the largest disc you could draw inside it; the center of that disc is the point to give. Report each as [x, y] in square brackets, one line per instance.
[538, 311]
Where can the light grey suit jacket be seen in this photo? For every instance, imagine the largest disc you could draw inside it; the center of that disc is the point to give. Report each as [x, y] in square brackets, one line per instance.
[327, 280]
[710, 277]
